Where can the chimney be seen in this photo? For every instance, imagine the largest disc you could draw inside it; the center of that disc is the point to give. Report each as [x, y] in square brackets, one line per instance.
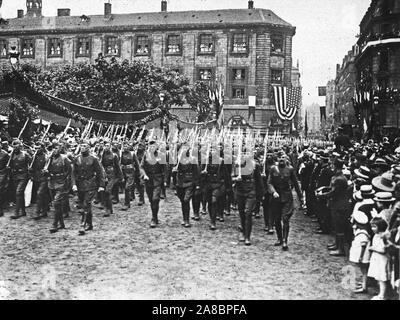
[63, 12]
[163, 6]
[107, 9]
[251, 4]
[20, 13]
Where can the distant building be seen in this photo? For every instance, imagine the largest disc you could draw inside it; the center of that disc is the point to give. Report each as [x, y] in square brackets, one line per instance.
[345, 82]
[248, 50]
[378, 65]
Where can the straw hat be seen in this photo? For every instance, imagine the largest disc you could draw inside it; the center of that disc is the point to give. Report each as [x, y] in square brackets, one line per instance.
[360, 217]
[365, 192]
[363, 172]
[384, 197]
[384, 182]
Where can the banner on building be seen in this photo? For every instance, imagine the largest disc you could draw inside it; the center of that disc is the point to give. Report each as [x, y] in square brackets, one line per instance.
[287, 101]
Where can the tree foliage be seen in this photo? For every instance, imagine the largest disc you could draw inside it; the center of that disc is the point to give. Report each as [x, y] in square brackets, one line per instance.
[19, 111]
[109, 84]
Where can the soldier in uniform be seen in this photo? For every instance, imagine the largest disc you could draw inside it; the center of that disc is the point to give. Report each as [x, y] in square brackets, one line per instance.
[249, 187]
[187, 182]
[19, 164]
[59, 173]
[324, 180]
[153, 170]
[268, 217]
[131, 173]
[87, 178]
[140, 183]
[110, 163]
[4, 157]
[215, 174]
[40, 180]
[279, 180]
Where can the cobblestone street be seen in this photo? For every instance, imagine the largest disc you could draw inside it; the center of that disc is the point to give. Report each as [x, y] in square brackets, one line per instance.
[122, 258]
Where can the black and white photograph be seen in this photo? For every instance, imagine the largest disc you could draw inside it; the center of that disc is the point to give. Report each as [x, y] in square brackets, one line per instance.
[199, 150]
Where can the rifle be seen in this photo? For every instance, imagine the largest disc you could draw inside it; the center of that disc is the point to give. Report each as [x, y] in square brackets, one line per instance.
[41, 140]
[19, 136]
[46, 167]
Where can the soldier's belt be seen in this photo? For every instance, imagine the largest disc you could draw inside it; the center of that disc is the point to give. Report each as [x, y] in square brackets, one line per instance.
[247, 179]
[127, 166]
[85, 177]
[19, 170]
[57, 175]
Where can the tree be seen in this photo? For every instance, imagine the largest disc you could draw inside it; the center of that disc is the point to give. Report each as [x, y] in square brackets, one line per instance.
[19, 111]
[199, 100]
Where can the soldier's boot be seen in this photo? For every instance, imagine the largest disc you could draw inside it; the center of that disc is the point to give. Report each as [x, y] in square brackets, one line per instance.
[17, 214]
[141, 196]
[196, 208]
[127, 201]
[247, 229]
[57, 217]
[89, 221]
[66, 208]
[108, 204]
[333, 246]
[39, 208]
[23, 211]
[213, 216]
[163, 194]
[340, 250]
[186, 216]
[278, 229]
[83, 223]
[242, 227]
[154, 218]
[115, 194]
[285, 234]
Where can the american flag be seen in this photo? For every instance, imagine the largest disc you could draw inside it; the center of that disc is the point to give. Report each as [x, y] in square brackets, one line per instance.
[287, 101]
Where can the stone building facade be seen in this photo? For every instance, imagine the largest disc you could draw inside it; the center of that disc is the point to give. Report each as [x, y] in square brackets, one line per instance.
[345, 90]
[247, 50]
[378, 63]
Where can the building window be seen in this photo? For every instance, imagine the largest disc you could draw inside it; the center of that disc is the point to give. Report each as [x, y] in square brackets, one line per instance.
[239, 74]
[237, 93]
[384, 60]
[206, 43]
[27, 48]
[112, 46]
[276, 76]
[142, 45]
[173, 44]
[83, 47]
[277, 44]
[55, 47]
[239, 43]
[3, 48]
[205, 74]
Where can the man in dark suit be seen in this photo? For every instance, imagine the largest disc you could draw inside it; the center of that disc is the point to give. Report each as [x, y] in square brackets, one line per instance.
[279, 185]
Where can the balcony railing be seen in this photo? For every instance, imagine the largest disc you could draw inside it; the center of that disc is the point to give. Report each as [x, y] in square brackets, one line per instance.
[377, 39]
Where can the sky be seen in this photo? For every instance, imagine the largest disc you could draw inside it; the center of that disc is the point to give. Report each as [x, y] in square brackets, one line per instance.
[325, 29]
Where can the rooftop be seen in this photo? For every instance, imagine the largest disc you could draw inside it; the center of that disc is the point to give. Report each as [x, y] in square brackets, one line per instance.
[150, 20]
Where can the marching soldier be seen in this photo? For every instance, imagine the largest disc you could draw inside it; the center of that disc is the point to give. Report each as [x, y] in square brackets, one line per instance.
[249, 187]
[187, 183]
[20, 161]
[40, 181]
[268, 217]
[110, 163]
[4, 157]
[140, 183]
[87, 178]
[153, 171]
[214, 173]
[131, 173]
[59, 172]
[279, 180]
